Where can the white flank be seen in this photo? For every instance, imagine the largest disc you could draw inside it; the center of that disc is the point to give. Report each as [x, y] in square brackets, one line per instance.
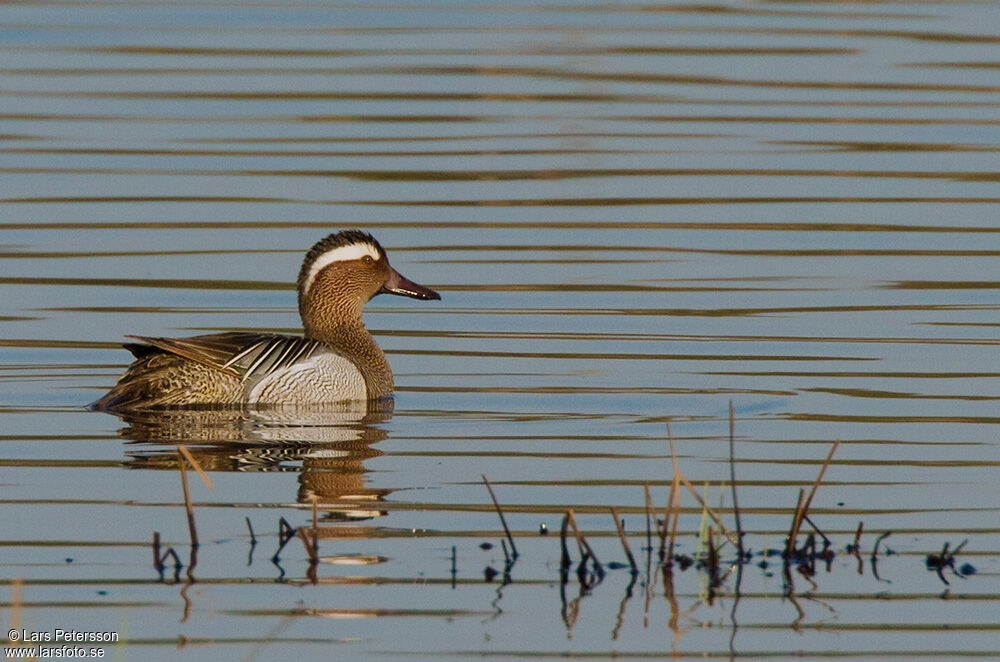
[323, 378]
[339, 254]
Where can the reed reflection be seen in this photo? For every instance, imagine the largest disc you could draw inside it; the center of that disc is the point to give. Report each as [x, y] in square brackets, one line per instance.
[327, 447]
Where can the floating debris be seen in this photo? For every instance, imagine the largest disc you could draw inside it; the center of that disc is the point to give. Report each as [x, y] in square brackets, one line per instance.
[946, 559]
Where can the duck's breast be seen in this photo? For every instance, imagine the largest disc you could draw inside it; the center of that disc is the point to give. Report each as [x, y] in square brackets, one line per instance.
[322, 378]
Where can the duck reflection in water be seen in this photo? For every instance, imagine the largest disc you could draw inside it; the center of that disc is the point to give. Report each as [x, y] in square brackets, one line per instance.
[326, 445]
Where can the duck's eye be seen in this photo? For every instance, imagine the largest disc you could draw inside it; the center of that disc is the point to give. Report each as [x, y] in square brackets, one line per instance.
[367, 259]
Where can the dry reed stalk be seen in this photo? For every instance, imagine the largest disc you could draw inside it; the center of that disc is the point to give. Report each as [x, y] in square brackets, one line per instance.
[671, 501]
[581, 542]
[156, 551]
[703, 525]
[819, 478]
[675, 510]
[701, 502]
[675, 608]
[565, 561]
[510, 539]
[803, 508]
[649, 518]
[253, 538]
[305, 535]
[621, 536]
[807, 520]
[732, 480]
[878, 541]
[673, 450]
[713, 557]
[192, 564]
[309, 542]
[181, 452]
[196, 466]
[793, 532]
[454, 567]
[664, 530]
[855, 549]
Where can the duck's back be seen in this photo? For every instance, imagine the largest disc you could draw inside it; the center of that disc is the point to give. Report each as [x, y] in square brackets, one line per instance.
[234, 369]
[159, 379]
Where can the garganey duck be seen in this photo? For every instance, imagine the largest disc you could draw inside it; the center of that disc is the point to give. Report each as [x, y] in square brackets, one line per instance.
[337, 359]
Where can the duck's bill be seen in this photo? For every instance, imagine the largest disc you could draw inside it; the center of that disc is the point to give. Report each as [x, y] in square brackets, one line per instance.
[397, 284]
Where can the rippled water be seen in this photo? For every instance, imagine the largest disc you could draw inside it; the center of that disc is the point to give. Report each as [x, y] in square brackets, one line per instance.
[636, 214]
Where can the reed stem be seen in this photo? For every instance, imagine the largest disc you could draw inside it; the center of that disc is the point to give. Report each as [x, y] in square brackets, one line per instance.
[624, 539]
[503, 521]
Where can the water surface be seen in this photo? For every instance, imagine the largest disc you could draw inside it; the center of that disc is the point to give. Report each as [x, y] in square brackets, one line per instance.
[636, 214]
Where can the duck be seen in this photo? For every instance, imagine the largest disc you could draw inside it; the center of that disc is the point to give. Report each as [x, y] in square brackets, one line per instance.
[336, 360]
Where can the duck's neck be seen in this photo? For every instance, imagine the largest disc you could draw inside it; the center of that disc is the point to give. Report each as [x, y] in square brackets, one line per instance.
[353, 341]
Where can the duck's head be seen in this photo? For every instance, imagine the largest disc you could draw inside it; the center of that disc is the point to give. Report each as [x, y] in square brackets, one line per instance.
[341, 273]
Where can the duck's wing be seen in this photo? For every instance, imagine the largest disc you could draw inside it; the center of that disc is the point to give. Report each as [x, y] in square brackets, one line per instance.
[249, 356]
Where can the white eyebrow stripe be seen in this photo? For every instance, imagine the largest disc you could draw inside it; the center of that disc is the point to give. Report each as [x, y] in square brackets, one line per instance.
[339, 254]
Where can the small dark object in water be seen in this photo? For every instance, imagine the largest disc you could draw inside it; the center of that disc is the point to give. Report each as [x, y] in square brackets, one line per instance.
[489, 574]
[69, 559]
[967, 569]
[768, 553]
[102, 592]
[763, 565]
[946, 559]
[684, 561]
[618, 565]
[543, 530]
[486, 545]
[933, 562]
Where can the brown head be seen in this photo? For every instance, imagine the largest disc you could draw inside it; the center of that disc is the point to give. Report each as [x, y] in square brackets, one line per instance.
[340, 274]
